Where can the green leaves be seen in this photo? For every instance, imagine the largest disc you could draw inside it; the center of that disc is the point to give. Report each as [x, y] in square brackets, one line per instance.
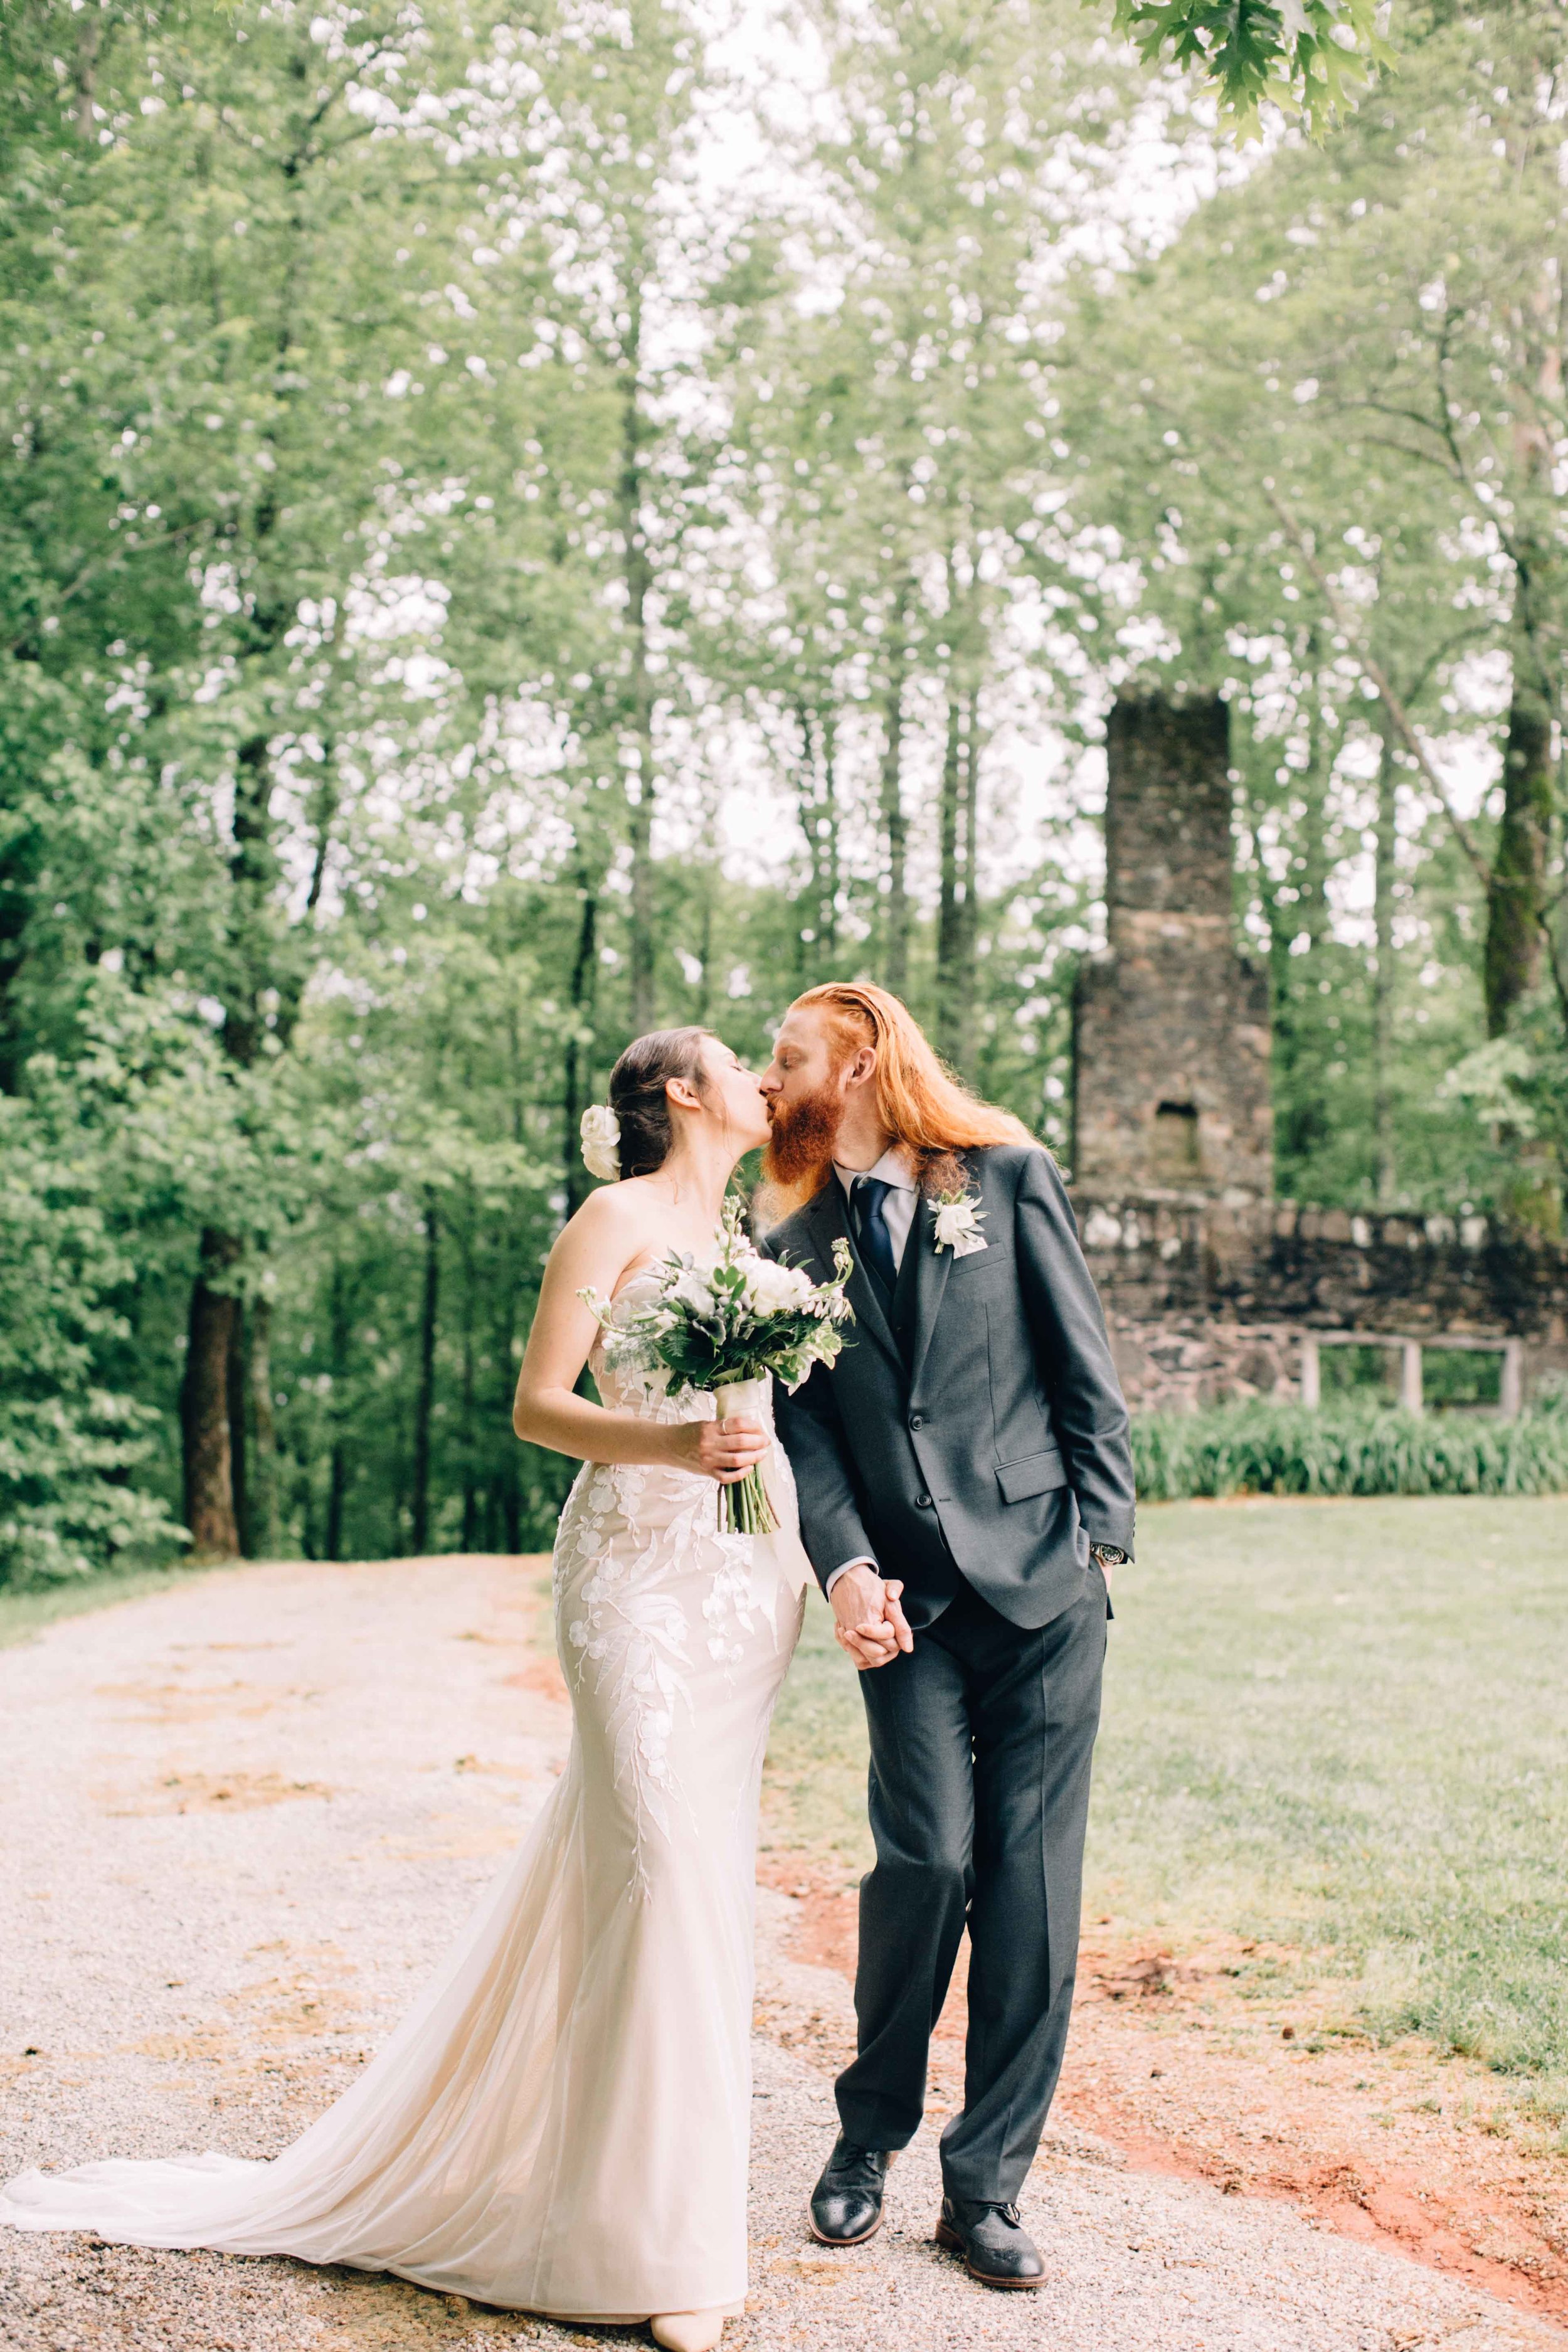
[383, 510]
[1311, 58]
[68, 1445]
[1283, 1449]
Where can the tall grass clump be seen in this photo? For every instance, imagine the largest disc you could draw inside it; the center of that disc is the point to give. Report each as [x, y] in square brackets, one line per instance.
[1350, 1448]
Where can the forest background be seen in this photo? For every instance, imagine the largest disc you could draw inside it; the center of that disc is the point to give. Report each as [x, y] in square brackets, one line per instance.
[517, 528]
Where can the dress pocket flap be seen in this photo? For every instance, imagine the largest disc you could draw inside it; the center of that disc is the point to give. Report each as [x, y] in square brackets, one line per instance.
[1035, 1474]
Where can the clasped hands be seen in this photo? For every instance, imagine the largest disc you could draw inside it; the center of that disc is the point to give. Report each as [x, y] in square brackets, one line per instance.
[867, 1620]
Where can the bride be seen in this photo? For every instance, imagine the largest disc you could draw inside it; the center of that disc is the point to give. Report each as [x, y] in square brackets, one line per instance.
[561, 2124]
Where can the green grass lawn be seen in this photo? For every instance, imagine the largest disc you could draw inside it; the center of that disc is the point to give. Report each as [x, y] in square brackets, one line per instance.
[1337, 1726]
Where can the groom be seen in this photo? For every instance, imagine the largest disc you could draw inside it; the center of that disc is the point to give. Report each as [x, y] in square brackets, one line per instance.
[966, 1487]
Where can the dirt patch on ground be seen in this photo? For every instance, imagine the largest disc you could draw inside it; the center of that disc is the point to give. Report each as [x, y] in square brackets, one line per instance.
[543, 1677]
[180, 1702]
[200, 1793]
[1216, 2064]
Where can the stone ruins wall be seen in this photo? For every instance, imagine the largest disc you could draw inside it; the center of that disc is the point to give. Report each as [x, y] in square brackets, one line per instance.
[1171, 1025]
[1208, 1282]
[1207, 1301]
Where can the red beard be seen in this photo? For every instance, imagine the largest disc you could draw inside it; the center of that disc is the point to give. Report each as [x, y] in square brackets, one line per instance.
[802, 1136]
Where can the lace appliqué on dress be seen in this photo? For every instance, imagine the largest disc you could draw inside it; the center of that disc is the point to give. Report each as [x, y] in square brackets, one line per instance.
[629, 1535]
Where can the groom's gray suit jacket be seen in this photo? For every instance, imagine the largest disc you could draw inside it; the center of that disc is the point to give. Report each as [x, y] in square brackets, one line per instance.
[974, 1422]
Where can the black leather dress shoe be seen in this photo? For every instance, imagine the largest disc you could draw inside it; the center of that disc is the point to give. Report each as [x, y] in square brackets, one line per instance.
[996, 2248]
[847, 2203]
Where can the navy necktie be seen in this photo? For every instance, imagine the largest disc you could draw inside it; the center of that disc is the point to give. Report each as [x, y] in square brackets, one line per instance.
[876, 1241]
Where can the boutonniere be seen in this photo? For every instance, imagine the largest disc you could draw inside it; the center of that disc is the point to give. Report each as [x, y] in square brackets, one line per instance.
[958, 1218]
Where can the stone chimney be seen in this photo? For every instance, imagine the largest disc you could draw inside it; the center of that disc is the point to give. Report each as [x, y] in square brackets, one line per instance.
[1171, 1038]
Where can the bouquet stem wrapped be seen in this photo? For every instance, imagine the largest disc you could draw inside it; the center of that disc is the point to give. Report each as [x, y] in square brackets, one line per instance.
[732, 1328]
[744, 1507]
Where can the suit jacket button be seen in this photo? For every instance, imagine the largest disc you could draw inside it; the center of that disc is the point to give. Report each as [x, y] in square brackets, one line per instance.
[922, 1502]
[916, 1421]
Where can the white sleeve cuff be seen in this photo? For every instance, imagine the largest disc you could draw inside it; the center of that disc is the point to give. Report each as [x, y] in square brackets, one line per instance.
[863, 1559]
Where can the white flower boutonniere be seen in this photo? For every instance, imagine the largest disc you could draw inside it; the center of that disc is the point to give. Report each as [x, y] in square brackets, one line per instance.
[959, 1218]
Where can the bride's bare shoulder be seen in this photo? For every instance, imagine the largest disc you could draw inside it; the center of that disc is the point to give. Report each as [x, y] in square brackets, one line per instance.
[617, 1225]
[615, 1209]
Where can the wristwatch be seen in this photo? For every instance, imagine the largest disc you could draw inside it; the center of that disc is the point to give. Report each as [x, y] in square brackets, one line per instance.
[1106, 1556]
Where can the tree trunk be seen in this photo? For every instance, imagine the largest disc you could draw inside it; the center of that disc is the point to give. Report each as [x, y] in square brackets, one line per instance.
[1386, 840]
[704, 1007]
[827, 865]
[470, 1487]
[638, 573]
[337, 1488]
[204, 1402]
[895, 825]
[1517, 891]
[337, 1464]
[214, 1383]
[512, 1507]
[584, 973]
[260, 1522]
[253, 871]
[955, 932]
[238, 1448]
[817, 808]
[1309, 863]
[509, 1484]
[19, 864]
[424, 1398]
[84, 75]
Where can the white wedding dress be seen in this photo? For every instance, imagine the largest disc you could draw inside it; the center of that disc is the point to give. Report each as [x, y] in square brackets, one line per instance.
[562, 2124]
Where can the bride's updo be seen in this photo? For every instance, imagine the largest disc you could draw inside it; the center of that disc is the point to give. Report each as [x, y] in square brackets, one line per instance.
[637, 1098]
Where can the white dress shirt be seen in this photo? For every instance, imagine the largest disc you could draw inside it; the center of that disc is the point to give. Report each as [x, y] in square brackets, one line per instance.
[898, 1216]
[899, 1208]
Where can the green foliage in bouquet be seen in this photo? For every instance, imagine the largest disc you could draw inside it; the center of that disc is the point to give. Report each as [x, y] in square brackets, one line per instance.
[744, 1317]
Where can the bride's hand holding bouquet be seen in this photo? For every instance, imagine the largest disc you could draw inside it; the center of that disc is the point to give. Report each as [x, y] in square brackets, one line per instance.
[730, 1328]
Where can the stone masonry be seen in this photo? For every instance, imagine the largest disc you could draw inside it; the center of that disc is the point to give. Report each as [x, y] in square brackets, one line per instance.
[1209, 1284]
[1171, 1024]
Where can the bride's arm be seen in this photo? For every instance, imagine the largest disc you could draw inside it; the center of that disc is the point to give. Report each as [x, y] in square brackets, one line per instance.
[593, 1254]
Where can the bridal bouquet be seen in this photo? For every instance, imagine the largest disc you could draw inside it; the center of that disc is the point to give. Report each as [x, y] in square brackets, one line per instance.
[730, 1326]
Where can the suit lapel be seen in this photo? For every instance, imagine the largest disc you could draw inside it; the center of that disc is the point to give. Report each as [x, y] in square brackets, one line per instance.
[831, 1224]
[931, 1269]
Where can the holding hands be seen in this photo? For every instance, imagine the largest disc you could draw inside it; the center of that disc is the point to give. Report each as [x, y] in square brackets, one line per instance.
[867, 1620]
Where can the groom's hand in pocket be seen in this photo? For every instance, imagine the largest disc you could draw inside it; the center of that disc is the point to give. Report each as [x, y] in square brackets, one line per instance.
[867, 1618]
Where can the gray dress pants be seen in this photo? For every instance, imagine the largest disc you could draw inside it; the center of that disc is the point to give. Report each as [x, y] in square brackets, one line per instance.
[981, 1743]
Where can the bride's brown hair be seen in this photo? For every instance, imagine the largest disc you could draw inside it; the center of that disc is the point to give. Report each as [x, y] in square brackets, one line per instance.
[919, 1102]
[637, 1094]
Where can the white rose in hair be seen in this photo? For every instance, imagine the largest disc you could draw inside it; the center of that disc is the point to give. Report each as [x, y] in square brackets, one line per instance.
[601, 1136]
[773, 1289]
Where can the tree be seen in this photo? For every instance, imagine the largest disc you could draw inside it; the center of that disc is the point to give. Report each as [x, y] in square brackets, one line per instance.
[1333, 449]
[895, 441]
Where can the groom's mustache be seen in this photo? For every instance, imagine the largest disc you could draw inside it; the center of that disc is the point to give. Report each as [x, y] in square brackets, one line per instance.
[802, 1134]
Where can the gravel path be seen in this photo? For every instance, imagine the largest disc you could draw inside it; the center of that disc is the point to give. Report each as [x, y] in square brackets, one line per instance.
[238, 1822]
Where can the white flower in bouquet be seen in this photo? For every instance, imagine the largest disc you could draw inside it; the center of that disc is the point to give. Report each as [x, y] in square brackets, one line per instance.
[743, 1318]
[600, 1131]
[691, 1290]
[773, 1289]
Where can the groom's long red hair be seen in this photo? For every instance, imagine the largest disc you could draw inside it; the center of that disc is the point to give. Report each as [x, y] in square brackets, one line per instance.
[921, 1105]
